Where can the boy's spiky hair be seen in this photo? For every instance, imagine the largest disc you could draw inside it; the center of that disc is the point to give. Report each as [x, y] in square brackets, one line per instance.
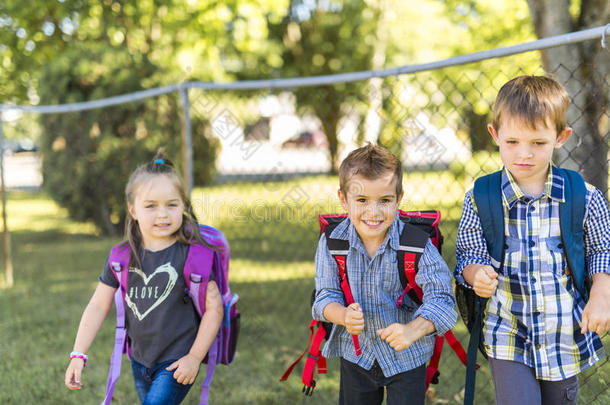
[536, 100]
[371, 162]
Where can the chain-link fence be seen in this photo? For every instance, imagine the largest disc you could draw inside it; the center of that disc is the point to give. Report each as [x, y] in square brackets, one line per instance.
[276, 149]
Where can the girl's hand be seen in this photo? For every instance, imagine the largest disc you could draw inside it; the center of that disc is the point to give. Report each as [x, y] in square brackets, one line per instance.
[186, 368]
[73, 374]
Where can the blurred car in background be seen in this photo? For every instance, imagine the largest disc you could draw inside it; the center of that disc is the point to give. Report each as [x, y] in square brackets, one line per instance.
[19, 145]
[307, 139]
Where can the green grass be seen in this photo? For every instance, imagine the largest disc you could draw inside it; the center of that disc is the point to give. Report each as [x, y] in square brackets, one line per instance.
[272, 229]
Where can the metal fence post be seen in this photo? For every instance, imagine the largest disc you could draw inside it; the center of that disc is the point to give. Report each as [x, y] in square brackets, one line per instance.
[187, 141]
[6, 242]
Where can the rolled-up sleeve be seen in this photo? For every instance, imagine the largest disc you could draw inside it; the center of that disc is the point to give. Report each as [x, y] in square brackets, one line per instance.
[470, 246]
[434, 278]
[328, 287]
[597, 234]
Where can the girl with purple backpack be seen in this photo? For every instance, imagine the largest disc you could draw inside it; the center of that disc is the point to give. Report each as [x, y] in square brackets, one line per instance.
[167, 339]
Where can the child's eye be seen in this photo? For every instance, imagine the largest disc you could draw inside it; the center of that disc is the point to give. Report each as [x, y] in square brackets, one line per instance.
[385, 200]
[540, 143]
[511, 142]
[173, 205]
[149, 206]
[361, 200]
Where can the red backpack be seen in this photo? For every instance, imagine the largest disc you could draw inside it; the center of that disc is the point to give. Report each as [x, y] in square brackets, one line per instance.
[419, 226]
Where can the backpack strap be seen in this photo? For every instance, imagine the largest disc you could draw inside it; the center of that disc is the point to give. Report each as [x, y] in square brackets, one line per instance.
[314, 357]
[119, 263]
[488, 199]
[571, 219]
[339, 249]
[312, 337]
[196, 272]
[411, 247]
[199, 264]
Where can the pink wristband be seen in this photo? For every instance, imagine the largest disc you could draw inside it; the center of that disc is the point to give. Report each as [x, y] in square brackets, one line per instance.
[79, 355]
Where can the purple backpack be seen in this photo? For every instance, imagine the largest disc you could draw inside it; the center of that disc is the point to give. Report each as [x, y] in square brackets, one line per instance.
[199, 263]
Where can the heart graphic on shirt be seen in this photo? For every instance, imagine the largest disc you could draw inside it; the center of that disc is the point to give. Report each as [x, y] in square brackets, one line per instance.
[173, 276]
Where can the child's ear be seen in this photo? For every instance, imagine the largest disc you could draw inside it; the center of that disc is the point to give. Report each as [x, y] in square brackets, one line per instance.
[563, 137]
[343, 199]
[399, 199]
[493, 133]
[132, 211]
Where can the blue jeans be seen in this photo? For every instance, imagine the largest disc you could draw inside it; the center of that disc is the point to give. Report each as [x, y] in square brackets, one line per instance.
[158, 386]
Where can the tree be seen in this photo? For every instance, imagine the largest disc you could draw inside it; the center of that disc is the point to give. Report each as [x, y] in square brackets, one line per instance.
[470, 90]
[328, 38]
[80, 50]
[583, 69]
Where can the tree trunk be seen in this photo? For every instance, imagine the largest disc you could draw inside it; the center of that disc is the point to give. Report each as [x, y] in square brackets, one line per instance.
[582, 69]
[329, 124]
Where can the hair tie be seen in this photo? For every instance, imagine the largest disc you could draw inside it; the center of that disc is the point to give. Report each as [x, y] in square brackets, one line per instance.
[159, 161]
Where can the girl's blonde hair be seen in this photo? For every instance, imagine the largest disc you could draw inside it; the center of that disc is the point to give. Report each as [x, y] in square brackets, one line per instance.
[188, 233]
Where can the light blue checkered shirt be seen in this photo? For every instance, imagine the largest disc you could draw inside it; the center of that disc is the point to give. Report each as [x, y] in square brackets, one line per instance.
[534, 317]
[376, 286]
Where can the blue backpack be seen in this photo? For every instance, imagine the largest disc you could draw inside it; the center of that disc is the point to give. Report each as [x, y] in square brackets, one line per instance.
[488, 198]
[201, 261]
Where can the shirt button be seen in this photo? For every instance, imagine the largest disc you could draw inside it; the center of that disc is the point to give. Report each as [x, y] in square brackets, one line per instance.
[369, 295]
[538, 346]
[532, 243]
[533, 208]
[533, 280]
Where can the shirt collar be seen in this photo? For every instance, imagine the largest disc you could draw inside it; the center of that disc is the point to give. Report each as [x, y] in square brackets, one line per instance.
[553, 187]
[347, 231]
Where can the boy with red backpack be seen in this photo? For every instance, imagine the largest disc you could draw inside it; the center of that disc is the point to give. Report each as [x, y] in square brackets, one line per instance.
[389, 343]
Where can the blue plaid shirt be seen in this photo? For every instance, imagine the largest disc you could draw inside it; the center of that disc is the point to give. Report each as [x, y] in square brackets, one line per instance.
[376, 286]
[534, 317]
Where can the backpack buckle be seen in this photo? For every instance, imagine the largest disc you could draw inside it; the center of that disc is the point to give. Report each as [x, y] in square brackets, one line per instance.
[116, 266]
[308, 391]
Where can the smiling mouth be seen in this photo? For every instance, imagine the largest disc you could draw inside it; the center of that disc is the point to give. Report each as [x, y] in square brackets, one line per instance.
[372, 223]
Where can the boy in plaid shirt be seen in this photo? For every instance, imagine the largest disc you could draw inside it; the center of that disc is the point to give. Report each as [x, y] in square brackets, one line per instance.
[538, 330]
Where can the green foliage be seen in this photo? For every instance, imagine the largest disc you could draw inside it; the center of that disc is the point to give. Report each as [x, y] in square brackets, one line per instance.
[88, 156]
[322, 39]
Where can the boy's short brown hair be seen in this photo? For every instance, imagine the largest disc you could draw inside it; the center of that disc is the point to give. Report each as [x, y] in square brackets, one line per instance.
[533, 99]
[371, 162]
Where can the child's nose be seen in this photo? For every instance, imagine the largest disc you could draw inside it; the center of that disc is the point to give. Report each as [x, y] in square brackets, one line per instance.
[374, 208]
[526, 152]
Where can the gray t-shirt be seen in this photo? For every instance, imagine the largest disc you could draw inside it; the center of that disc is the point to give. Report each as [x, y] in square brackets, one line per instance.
[161, 319]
